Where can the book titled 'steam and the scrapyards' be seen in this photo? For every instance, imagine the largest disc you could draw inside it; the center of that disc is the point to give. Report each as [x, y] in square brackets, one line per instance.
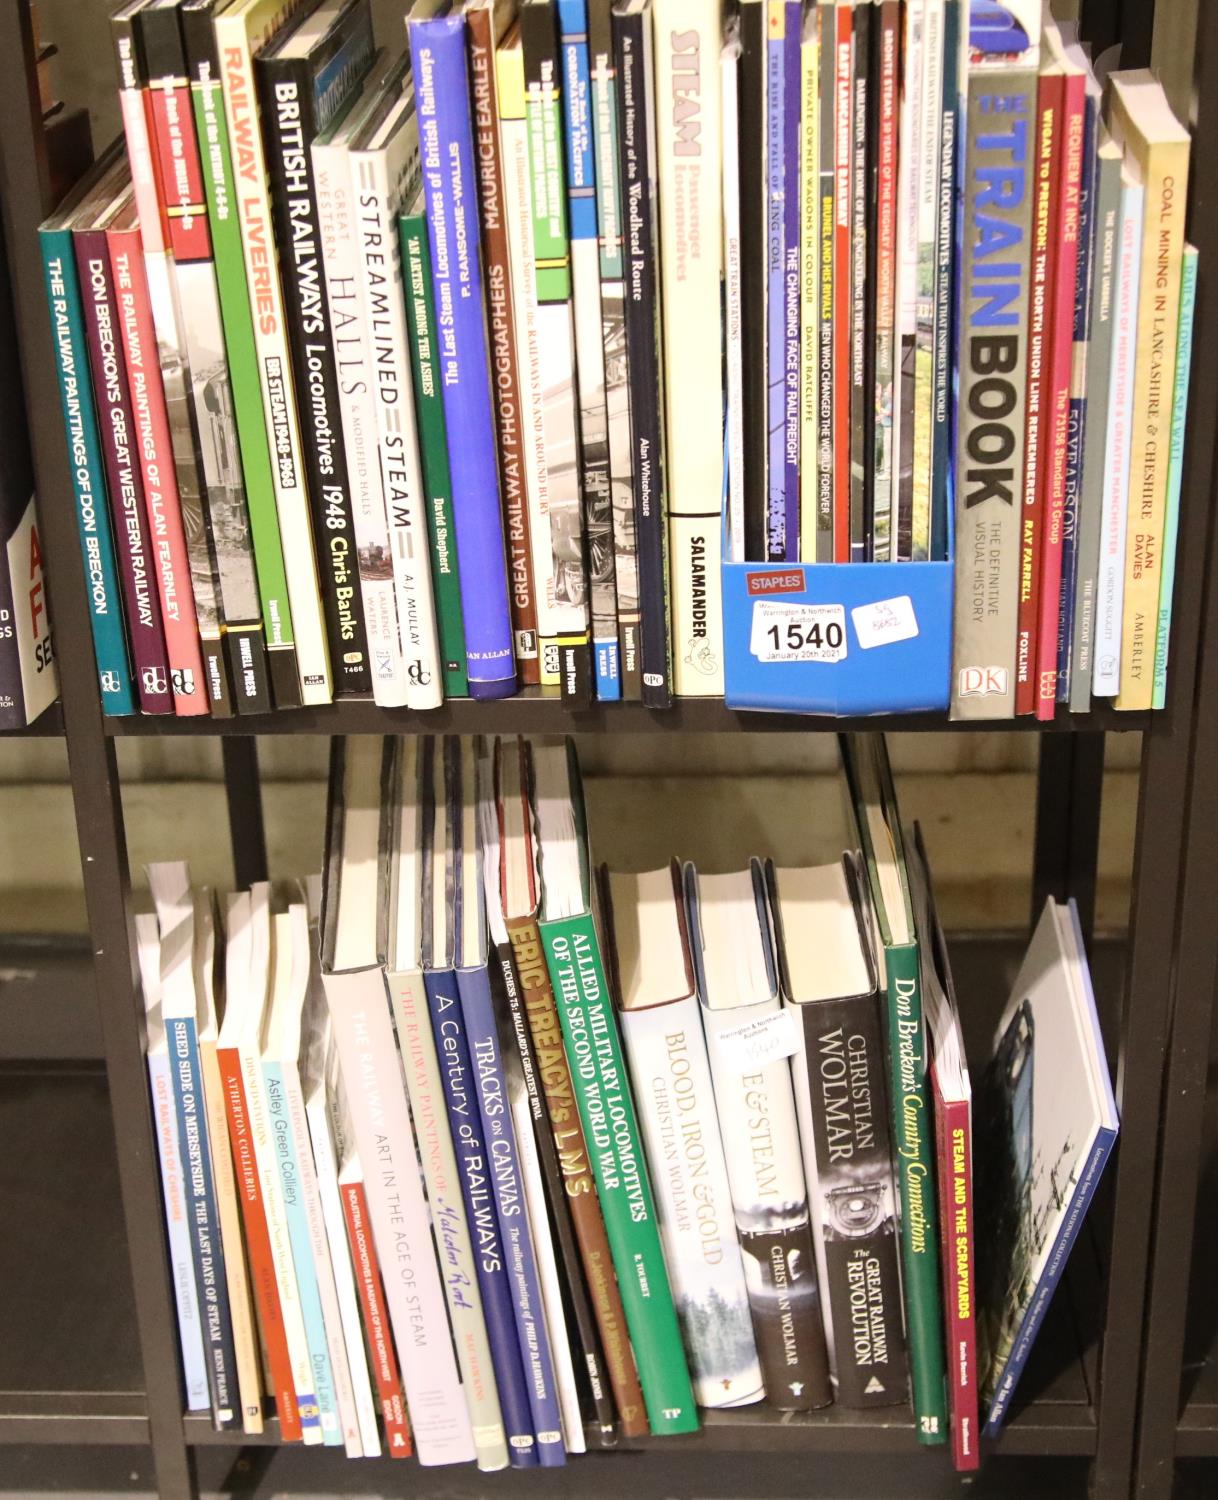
[477, 1150]
[823, 356]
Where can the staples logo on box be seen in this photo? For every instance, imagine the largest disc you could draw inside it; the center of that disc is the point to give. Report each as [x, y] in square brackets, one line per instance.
[981, 682]
[775, 583]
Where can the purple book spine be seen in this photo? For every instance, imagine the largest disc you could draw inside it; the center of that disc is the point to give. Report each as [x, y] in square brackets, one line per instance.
[776, 539]
[123, 483]
[790, 157]
[441, 80]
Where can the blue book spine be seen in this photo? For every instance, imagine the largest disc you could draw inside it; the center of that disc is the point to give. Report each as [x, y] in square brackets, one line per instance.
[1078, 400]
[206, 1244]
[441, 80]
[181, 1258]
[1034, 1315]
[473, 1160]
[790, 154]
[88, 474]
[946, 235]
[301, 1241]
[777, 539]
[482, 1036]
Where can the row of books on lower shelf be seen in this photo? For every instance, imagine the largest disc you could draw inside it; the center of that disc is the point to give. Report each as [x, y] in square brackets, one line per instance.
[524, 1158]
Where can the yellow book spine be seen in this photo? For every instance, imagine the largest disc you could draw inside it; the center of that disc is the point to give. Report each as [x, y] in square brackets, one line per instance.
[809, 280]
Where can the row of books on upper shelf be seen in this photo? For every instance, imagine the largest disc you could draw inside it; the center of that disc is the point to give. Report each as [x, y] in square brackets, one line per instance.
[525, 1157]
[560, 348]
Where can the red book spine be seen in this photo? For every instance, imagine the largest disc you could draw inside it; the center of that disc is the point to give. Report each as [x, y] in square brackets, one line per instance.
[167, 539]
[258, 1246]
[372, 1300]
[1044, 207]
[1057, 403]
[180, 172]
[843, 137]
[954, 1160]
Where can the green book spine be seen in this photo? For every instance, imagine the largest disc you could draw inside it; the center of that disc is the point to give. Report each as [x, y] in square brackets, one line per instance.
[433, 446]
[1175, 469]
[543, 114]
[914, 1155]
[594, 1051]
[212, 127]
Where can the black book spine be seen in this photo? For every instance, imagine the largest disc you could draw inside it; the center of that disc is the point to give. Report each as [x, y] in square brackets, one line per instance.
[861, 296]
[753, 332]
[285, 88]
[632, 50]
[829, 270]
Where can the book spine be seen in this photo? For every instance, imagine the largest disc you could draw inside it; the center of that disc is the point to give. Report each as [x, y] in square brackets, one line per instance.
[336, 223]
[907, 275]
[792, 84]
[809, 273]
[887, 149]
[840, 1097]
[88, 474]
[1102, 323]
[428, 1111]
[687, 41]
[1154, 376]
[1057, 392]
[754, 207]
[607, 173]
[633, 57]
[825, 456]
[502, 331]
[589, 350]
[433, 451]
[954, 1157]
[955, 18]
[992, 344]
[914, 1158]
[212, 129]
[286, 1153]
[571, 1149]
[178, 1234]
[862, 230]
[164, 517]
[476, 1169]
[1110, 585]
[606, 1108]
[206, 1244]
[776, 540]
[733, 359]
[929, 146]
[253, 208]
[125, 491]
[676, 1106]
[377, 181]
[258, 1245]
[376, 1327]
[843, 140]
[442, 97]
[756, 1108]
[1175, 476]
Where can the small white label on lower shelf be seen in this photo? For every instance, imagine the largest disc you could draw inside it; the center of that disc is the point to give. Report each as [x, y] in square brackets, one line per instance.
[885, 621]
[798, 632]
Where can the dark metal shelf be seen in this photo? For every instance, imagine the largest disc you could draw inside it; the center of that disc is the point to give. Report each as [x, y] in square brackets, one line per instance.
[48, 725]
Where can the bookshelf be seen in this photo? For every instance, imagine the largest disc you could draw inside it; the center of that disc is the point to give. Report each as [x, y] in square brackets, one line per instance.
[1097, 1399]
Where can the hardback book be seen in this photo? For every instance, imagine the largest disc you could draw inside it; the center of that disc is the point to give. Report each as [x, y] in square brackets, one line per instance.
[689, 165]
[339, 230]
[843, 139]
[564, 582]
[579, 1361]
[182, 200]
[384, 167]
[780, 537]
[886, 25]
[1046, 1122]
[611, 243]
[631, 24]
[417, 1046]
[953, 1095]
[242, 29]
[733, 341]
[1157, 146]
[869, 777]
[487, 22]
[829, 987]
[651, 966]
[211, 127]
[438, 45]
[171, 352]
[465, 1120]
[749, 1046]
[580, 158]
[169, 885]
[353, 936]
[570, 937]
[521, 893]
[178, 1230]
[1001, 73]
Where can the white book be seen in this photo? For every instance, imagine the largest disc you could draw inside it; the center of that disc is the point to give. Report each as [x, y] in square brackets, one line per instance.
[240, 31]
[688, 39]
[729, 63]
[385, 178]
[380, 1118]
[1110, 579]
